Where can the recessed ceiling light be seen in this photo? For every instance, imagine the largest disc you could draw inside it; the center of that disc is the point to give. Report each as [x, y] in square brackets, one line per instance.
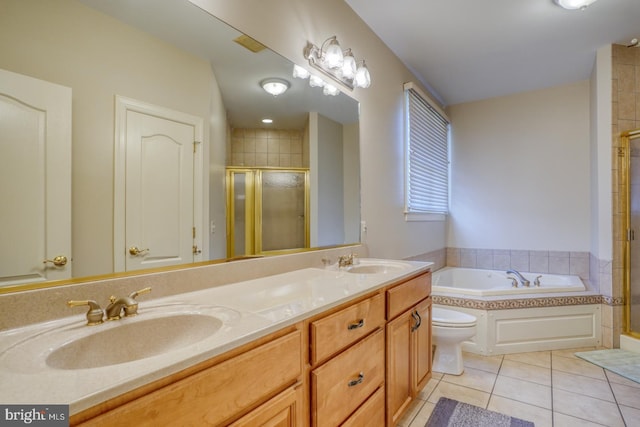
[275, 86]
[267, 121]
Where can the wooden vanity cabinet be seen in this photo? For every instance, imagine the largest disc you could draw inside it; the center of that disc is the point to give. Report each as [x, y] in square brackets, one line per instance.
[408, 344]
[262, 385]
[358, 364]
[347, 351]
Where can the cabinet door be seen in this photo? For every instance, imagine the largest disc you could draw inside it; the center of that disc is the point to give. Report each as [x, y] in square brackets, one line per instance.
[399, 384]
[216, 394]
[284, 410]
[421, 340]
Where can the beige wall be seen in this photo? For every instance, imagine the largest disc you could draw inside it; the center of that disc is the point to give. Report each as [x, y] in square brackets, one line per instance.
[64, 42]
[520, 172]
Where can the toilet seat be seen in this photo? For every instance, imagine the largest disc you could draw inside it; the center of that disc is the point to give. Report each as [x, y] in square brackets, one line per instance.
[451, 318]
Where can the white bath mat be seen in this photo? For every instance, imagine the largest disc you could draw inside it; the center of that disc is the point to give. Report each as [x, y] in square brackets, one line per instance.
[622, 362]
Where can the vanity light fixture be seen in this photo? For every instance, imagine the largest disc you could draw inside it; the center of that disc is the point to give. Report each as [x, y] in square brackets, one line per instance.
[574, 4]
[275, 86]
[337, 64]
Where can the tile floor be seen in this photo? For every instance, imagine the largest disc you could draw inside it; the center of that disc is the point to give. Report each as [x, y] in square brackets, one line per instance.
[550, 388]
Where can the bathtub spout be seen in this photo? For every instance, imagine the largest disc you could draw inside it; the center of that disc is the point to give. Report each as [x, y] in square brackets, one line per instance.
[520, 277]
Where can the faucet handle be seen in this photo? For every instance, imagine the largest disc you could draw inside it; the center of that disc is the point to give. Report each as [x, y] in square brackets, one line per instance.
[140, 292]
[514, 281]
[536, 282]
[132, 309]
[94, 315]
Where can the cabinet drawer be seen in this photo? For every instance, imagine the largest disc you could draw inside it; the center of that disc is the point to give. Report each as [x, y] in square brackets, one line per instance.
[216, 394]
[341, 385]
[408, 294]
[370, 414]
[335, 332]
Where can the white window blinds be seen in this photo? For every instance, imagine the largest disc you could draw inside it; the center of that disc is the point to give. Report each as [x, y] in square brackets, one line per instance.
[427, 156]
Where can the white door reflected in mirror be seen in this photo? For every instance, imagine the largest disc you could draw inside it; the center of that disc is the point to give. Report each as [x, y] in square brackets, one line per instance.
[35, 169]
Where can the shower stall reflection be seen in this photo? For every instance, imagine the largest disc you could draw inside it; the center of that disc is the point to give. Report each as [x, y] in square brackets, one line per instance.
[267, 210]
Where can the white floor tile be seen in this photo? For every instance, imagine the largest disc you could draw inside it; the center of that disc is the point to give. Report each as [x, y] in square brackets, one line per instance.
[539, 416]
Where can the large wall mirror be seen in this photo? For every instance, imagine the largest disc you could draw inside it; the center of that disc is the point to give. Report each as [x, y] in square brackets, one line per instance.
[126, 62]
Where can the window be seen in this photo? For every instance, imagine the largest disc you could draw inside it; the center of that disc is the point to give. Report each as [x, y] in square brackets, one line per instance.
[427, 158]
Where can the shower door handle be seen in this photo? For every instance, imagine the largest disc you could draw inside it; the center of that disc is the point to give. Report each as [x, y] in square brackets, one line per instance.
[631, 234]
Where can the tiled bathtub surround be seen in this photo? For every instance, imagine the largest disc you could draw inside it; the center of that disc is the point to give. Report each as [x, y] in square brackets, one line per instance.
[552, 262]
[597, 274]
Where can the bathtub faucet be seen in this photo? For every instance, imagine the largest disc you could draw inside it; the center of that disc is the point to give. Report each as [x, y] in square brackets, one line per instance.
[520, 277]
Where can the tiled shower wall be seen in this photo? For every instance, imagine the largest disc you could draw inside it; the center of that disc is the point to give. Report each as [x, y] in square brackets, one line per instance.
[267, 148]
[625, 116]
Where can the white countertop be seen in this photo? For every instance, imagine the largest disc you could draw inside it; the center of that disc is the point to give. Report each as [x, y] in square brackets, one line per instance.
[251, 309]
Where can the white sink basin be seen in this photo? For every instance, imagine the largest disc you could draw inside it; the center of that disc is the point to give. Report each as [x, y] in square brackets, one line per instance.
[133, 341]
[370, 266]
[153, 332]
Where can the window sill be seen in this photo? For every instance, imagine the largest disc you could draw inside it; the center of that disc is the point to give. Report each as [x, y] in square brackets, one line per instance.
[418, 216]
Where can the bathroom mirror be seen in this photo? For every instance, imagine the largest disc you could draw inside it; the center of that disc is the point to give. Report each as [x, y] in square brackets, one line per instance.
[103, 49]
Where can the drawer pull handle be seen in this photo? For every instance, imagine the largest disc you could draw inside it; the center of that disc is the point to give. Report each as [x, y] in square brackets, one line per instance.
[418, 320]
[357, 325]
[355, 382]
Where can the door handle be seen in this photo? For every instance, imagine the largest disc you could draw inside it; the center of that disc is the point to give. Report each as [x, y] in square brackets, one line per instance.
[58, 261]
[133, 250]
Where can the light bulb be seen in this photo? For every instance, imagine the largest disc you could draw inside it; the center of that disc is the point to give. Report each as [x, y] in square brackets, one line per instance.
[349, 66]
[330, 89]
[315, 81]
[333, 57]
[299, 72]
[363, 78]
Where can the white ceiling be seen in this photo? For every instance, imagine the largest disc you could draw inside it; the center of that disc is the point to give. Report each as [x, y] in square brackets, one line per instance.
[467, 50]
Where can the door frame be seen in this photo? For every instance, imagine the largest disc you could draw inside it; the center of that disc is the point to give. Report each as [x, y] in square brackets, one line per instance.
[123, 105]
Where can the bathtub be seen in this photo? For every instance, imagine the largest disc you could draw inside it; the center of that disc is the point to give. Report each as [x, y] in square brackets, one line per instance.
[477, 282]
[560, 314]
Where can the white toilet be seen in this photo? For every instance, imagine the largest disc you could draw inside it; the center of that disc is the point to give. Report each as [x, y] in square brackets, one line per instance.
[450, 328]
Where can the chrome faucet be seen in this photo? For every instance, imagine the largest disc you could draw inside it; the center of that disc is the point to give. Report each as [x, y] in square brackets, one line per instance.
[520, 277]
[128, 304]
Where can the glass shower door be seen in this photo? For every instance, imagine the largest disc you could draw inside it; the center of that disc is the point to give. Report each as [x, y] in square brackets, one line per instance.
[633, 236]
[267, 210]
[283, 206]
